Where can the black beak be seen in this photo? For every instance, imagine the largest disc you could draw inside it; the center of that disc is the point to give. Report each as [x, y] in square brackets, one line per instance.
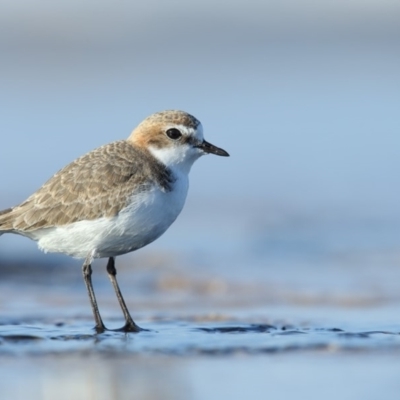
[210, 148]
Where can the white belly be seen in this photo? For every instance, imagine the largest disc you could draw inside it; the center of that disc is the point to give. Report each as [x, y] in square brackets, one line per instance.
[144, 220]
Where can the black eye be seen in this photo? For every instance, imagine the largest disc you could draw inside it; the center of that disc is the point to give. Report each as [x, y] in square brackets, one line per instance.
[174, 133]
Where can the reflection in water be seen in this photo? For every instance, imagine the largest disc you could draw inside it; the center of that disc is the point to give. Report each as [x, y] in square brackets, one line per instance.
[91, 377]
[218, 362]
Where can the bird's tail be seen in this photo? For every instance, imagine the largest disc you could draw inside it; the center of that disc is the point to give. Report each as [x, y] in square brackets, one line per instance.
[4, 219]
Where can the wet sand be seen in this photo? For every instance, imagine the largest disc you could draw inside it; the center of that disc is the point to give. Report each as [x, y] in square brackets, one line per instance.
[209, 336]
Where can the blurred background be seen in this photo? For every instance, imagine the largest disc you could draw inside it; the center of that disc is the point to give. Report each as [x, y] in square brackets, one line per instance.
[304, 95]
[300, 226]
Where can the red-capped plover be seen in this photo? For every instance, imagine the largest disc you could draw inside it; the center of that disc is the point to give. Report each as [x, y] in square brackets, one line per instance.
[115, 199]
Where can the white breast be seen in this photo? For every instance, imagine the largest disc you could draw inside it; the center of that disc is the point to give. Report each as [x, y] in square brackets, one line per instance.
[146, 218]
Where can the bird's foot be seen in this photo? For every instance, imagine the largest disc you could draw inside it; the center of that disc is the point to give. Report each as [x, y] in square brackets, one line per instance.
[100, 328]
[131, 327]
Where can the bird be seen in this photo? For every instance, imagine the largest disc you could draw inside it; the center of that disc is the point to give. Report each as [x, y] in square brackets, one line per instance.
[114, 199]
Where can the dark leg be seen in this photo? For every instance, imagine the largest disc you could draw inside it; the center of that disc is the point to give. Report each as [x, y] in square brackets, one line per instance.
[130, 325]
[87, 276]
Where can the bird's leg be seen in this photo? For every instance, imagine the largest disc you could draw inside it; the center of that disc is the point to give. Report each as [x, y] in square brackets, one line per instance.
[130, 325]
[87, 276]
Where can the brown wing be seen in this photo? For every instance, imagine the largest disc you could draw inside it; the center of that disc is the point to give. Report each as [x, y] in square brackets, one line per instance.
[95, 185]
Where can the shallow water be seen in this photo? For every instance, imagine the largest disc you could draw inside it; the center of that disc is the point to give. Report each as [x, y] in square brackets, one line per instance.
[310, 311]
[310, 328]
[208, 358]
[347, 376]
[190, 338]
